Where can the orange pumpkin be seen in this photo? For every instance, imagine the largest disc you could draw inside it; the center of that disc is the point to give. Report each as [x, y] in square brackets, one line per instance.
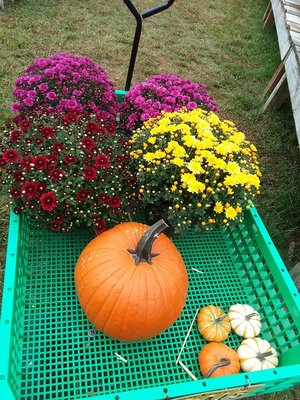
[213, 324]
[131, 281]
[217, 359]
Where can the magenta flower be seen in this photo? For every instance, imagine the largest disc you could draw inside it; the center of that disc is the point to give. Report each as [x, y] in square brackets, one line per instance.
[161, 93]
[80, 84]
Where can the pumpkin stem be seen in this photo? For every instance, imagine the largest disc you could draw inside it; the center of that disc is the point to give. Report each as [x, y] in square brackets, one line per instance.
[249, 316]
[223, 362]
[262, 356]
[142, 253]
[220, 318]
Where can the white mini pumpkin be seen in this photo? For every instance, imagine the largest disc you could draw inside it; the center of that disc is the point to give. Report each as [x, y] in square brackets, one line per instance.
[256, 354]
[244, 320]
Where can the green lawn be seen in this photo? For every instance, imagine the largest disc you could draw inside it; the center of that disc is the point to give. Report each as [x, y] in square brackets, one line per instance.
[221, 44]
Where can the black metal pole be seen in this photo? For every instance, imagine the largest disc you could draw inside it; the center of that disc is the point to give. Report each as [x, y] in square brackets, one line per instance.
[139, 21]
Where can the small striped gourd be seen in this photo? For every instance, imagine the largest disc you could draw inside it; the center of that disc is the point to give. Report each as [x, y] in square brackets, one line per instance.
[244, 320]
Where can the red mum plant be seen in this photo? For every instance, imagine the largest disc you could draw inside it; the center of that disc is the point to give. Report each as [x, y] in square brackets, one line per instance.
[65, 83]
[67, 172]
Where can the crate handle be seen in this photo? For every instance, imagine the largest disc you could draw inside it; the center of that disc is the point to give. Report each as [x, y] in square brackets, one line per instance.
[139, 17]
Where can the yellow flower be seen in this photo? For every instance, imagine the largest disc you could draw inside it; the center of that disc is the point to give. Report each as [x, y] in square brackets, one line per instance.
[209, 156]
[237, 137]
[233, 167]
[230, 212]
[202, 126]
[179, 151]
[149, 156]
[218, 207]
[226, 147]
[152, 140]
[188, 178]
[196, 187]
[226, 129]
[177, 161]
[228, 122]
[253, 148]
[219, 164]
[238, 209]
[160, 154]
[195, 167]
[253, 180]
[189, 140]
[213, 119]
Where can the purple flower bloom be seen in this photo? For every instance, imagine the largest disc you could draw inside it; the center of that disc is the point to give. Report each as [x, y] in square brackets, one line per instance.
[15, 107]
[43, 87]
[67, 77]
[51, 95]
[161, 93]
[29, 101]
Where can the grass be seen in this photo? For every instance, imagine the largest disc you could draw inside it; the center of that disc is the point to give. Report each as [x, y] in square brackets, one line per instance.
[220, 44]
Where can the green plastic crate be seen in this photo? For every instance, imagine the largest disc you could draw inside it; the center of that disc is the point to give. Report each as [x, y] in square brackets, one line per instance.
[47, 350]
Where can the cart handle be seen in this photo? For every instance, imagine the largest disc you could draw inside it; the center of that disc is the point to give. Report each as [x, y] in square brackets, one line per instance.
[139, 17]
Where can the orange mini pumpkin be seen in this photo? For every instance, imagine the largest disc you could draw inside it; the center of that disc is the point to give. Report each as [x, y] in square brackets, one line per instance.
[213, 324]
[131, 281]
[217, 359]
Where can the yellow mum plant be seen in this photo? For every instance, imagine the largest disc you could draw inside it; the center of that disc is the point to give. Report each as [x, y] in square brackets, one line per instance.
[200, 170]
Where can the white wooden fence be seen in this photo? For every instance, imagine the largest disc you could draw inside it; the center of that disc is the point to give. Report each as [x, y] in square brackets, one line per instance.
[285, 14]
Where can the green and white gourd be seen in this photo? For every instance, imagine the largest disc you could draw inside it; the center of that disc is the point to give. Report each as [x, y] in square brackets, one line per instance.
[256, 354]
[244, 320]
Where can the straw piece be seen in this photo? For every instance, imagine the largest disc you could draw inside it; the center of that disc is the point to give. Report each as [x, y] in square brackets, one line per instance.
[197, 270]
[187, 336]
[188, 371]
[120, 357]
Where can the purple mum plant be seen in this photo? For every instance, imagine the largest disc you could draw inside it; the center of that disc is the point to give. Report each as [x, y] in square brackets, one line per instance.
[65, 83]
[161, 93]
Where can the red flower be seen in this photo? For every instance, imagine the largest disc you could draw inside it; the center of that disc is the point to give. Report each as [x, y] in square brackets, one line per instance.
[18, 176]
[102, 162]
[15, 192]
[104, 198]
[92, 128]
[115, 201]
[55, 227]
[27, 163]
[40, 186]
[111, 129]
[11, 156]
[57, 147]
[48, 201]
[56, 174]
[52, 160]
[90, 173]
[40, 162]
[47, 132]
[88, 143]
[70, 117]
[15, 136]
[30, 190]
[119, 158]
[2, 162]
[70, 159]
[25, 125]
[82, 195]
[100, 225]
[58, 219]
